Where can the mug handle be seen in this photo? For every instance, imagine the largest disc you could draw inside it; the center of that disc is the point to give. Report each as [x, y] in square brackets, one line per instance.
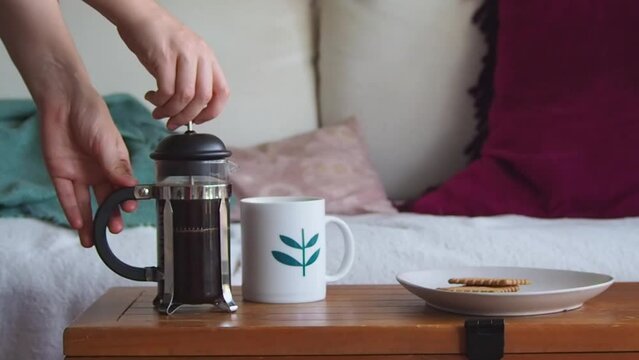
[349, 249]
[140, 192]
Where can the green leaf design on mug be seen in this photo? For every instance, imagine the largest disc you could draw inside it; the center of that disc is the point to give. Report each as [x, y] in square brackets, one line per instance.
[313, 257]
[285, 259]
[291, 261]
[290, 242]
[312, 241]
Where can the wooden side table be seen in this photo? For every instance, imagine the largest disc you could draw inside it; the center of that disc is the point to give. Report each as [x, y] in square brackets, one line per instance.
[381, 322]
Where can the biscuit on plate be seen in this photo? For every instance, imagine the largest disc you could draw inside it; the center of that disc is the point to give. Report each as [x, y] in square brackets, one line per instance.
[489, 281]
[482, 289]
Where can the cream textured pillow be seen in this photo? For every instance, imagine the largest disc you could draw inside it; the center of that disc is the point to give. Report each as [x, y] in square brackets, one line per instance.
[403, 69]
[331, 163]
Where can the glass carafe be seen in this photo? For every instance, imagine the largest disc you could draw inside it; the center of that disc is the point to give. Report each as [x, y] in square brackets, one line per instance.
[192, 192]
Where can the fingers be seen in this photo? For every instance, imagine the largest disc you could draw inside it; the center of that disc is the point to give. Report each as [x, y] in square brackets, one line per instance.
[165, 79]
[203, 94]
[189, 90]
[83, 198]
[102, 191]
[129, 206]
[221, 93]
[66, 195]
[185, 79]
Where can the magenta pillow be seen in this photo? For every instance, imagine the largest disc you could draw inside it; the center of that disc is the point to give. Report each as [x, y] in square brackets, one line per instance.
[331, 163]
[563, 127]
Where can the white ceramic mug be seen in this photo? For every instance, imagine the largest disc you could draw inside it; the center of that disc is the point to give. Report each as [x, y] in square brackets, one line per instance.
[284, 249]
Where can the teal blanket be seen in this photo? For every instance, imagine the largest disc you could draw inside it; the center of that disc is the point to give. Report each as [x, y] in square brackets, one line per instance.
[25, 186]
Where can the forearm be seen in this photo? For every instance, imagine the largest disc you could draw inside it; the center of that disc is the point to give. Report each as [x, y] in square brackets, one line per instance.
[126, 13]
[39, 44]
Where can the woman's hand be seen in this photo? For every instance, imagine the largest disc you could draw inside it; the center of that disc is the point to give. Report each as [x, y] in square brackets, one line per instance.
[83, 149]
[190, 82]
[81, 146]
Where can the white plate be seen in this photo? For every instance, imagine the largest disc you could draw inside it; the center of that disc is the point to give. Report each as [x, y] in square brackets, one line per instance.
[551, 290]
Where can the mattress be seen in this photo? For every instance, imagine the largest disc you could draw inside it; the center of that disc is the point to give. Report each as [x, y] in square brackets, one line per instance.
[47, 278]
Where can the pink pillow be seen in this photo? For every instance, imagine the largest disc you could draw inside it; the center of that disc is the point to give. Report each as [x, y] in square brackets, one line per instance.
[563, 128]
[331, 163]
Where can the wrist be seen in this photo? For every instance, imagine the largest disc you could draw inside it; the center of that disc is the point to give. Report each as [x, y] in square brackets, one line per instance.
[55, 100]
[58, 82]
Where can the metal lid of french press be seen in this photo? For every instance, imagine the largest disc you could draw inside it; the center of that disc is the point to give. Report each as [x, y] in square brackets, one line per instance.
[191, 146]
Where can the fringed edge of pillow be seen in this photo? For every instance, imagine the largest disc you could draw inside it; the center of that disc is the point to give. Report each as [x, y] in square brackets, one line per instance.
[487, 20]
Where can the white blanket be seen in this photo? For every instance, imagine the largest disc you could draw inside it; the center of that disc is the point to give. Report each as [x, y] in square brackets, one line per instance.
[47, 279]
[388, 245]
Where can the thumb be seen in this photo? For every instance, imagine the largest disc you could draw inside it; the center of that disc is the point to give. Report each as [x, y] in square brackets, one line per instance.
[115, 162]
[121, 173]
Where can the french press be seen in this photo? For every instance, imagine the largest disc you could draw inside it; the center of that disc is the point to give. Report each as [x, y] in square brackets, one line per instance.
[193, 233]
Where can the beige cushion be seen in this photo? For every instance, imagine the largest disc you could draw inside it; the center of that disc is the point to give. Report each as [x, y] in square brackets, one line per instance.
[403, 68]
[265, 48]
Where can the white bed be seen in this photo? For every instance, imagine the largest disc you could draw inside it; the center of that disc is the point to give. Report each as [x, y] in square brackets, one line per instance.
[47, 279]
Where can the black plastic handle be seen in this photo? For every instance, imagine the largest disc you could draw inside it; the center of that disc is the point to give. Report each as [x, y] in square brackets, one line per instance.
[99, 238]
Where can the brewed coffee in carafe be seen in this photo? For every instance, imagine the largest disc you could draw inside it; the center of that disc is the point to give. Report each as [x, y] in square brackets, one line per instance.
[196, 234]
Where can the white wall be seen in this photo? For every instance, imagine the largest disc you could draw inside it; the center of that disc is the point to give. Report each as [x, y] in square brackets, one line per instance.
[264, 46]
